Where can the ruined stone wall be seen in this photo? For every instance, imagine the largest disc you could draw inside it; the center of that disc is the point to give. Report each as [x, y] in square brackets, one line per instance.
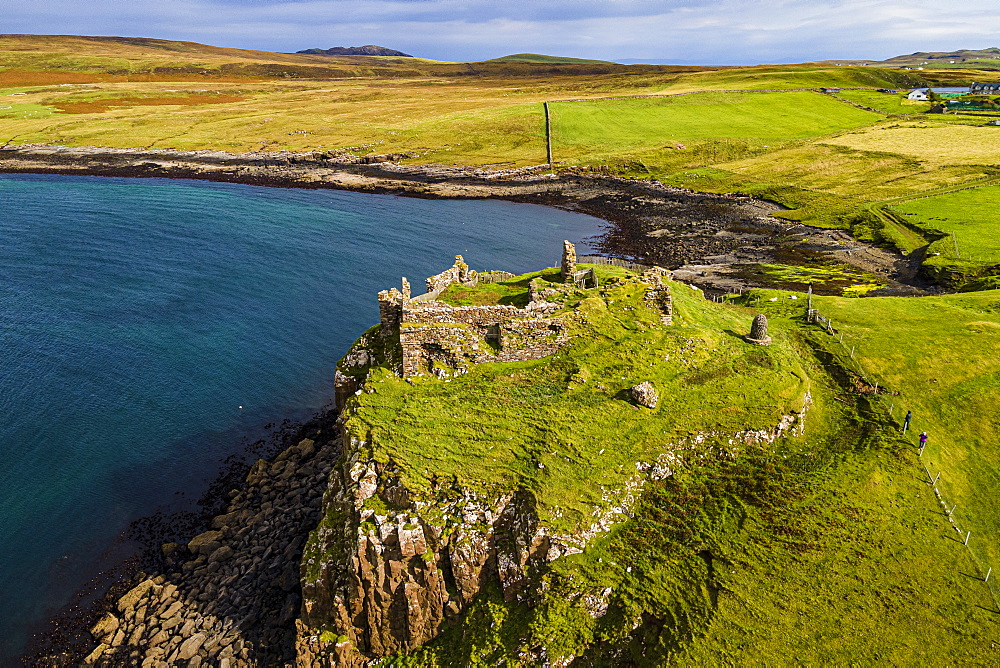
[390, 309]
[568, 268]
[458, 273]
[479, 317]
[522, 340]
[436, 337]
[658, 295]
[441, 348]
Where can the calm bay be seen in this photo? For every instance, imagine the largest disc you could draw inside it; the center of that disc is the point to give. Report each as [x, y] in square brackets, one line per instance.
[150, 327]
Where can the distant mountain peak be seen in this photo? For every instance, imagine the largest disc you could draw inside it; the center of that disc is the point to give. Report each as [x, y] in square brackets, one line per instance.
[369, 50]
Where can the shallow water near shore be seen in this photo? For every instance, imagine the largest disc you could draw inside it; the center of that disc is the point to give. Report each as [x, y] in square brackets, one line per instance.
[151, 327]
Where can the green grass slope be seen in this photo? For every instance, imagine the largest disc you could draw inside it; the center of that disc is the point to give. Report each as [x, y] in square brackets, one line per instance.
[826, 548]
[540, 58]
[942, 356]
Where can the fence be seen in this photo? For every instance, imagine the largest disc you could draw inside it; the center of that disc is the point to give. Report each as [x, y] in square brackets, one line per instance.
[881, 398]
[868, 384]
[611, 262]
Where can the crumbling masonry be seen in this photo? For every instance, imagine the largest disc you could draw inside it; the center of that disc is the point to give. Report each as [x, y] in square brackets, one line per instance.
[444, 340]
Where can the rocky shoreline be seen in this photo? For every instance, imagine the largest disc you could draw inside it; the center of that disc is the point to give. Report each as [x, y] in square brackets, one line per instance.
[708, 237]
[227, 596]
[230, 595]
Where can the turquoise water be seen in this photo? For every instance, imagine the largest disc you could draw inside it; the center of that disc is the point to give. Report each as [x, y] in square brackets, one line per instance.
[138, 316]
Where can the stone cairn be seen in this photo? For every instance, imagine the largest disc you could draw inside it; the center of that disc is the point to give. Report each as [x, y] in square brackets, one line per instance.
[645, 394]
[568, 262]
[758, 331]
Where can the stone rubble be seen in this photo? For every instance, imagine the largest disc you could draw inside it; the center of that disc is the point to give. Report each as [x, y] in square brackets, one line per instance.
[229, 597]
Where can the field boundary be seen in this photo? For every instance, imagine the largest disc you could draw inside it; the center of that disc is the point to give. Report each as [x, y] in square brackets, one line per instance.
[852, 364]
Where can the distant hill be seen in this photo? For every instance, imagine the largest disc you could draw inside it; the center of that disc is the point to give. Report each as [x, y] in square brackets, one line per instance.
[539, 58]
[958, 56]
[960, 59]
[370, 50]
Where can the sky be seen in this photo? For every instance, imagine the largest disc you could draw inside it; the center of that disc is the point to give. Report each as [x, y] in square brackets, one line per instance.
[714, 32]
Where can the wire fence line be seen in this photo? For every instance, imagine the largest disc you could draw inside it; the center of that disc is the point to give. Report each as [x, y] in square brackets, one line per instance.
[881, 397]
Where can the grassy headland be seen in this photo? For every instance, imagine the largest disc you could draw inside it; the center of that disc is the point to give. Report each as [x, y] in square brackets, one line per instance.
[817, 548]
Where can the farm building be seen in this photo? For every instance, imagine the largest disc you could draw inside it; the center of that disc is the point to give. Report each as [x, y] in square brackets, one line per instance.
[946, 92]
[985, 88]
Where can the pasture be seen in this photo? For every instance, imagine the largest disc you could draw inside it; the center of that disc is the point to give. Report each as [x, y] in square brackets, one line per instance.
[940, 357]
[610, 130]
[968, 214]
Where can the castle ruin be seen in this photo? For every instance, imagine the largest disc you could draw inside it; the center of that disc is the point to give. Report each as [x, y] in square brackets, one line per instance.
[441, 339]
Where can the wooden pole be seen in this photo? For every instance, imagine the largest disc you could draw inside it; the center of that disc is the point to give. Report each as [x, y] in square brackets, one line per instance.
[548, 134]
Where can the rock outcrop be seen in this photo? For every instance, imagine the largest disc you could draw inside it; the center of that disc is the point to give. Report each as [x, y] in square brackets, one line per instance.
[410, 564]
[645, 394]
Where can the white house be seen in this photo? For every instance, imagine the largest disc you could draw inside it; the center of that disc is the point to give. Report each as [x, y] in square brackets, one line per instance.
[918, 94]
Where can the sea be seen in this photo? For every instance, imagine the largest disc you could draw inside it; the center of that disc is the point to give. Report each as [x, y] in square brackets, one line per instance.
[149, 328]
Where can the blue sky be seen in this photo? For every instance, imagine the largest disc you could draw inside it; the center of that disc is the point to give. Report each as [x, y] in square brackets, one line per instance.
[679, 31]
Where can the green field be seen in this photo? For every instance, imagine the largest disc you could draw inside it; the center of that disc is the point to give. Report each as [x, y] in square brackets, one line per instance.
[660, 128]
[968, 214]
[942, 356]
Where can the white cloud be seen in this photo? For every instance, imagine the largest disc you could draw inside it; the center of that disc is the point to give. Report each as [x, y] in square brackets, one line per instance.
[721, 31]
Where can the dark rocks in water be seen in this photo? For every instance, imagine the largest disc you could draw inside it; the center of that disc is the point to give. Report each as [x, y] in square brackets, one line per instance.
[369, 50]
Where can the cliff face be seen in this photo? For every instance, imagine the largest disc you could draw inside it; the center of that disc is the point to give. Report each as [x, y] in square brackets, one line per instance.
[410, 565]
[385, 572]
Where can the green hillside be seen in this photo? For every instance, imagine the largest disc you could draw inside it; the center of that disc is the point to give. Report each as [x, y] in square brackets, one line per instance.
[540, 58]
[816, 549]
